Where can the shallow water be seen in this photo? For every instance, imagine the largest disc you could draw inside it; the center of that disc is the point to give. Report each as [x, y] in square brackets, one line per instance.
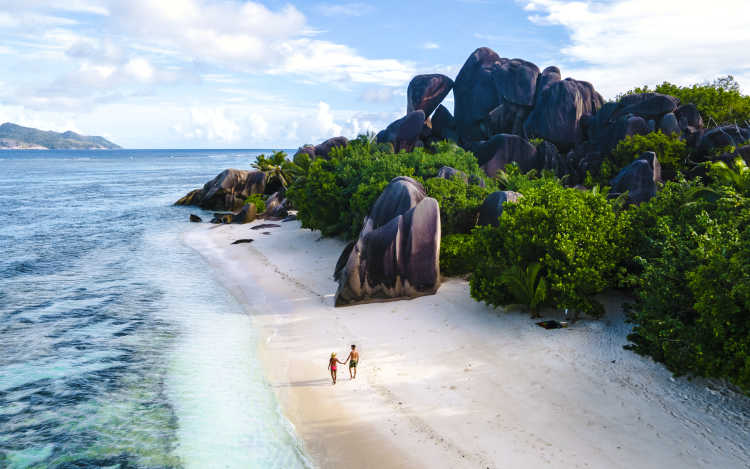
[118, 348]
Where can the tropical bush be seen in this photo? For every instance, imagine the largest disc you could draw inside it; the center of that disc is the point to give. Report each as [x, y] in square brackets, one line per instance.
[456, 254]
[719, 102]
[575, 237]
[459, 203]
[257, 199]
[334, 195]
[670, 150]
[692, 309]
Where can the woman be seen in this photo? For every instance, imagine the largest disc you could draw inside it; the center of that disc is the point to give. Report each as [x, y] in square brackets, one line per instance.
[332, 366]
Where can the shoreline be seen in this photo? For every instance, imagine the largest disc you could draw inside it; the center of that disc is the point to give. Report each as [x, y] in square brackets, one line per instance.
[448, 382]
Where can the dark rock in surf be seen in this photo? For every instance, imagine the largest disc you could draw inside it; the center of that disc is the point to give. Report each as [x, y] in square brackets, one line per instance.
[195, 218]
[227, 191]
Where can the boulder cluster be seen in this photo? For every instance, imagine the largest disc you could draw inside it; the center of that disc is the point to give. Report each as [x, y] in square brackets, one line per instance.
[227, 193]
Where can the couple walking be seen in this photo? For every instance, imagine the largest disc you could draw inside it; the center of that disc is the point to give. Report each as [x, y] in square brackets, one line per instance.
[353, 359]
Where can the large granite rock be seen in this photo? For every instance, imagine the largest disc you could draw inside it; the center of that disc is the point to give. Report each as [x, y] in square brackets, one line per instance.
[446, 172]
[475, 94]
[722, 136]
[492, 207]
[426, 92]
[559, 111]
[396, 254]
[443, 124]
[227, 191]
[409, 131]
[503, 149]
[638, 179]
[322, 150]
[277, 205]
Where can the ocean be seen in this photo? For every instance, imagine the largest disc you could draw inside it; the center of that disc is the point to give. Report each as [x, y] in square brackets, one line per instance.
[118, 348]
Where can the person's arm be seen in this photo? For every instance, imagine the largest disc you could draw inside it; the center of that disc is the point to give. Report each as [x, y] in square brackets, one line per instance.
[329, 364]
[347, 358]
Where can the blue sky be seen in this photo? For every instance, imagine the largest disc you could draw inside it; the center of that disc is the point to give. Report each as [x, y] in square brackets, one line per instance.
[275, 74]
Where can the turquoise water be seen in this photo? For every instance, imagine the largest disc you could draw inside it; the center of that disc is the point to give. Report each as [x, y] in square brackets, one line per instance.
[119, 349]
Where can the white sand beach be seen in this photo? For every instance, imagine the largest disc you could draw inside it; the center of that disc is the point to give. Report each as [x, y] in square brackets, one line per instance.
[447, 382]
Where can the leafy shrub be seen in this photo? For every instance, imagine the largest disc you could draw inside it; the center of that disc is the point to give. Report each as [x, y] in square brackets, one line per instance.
[692, 308]
[459, 203]
[257, 199]
[335, 195]
[456, 254]
[575, 236]
[719, 102]
[670, 150]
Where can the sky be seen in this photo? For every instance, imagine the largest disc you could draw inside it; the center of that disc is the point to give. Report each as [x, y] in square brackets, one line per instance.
[279, 74]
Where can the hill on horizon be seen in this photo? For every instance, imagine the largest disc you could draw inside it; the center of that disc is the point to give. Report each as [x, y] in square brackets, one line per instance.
[16, 137]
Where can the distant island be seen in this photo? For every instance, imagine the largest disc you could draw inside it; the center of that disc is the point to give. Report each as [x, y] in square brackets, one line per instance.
[16, 137]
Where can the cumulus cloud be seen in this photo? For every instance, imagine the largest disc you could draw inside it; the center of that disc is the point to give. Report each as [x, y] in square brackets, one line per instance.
[250, 37]
[209, 124]
[619, 44]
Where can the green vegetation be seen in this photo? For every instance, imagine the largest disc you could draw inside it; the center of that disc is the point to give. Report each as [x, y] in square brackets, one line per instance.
[16, 136]
[526, 286]
[456, 254]
[719, 102]
[693, 290]
[334, 195]
[459, 203]
[574, 236]
[258, 200]
[670, 150]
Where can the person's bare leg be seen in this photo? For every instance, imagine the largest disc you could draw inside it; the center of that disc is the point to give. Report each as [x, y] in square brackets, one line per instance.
[355, 371]
[350, 372]
[333, 377]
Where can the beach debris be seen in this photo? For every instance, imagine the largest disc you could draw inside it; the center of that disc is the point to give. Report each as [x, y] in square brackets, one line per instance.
[195, 218]
[396, 254]
[243, 241]
[264, 225]
[552, 324]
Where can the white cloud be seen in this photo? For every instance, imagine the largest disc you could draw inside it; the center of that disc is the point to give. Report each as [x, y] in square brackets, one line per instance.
[430, 45]
[345, 9]
[624, 43]
[140, 69]
[326, 126]
[380, 94]
[209, 124]
[250, 37]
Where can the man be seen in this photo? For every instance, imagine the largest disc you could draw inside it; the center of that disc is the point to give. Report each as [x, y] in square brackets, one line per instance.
[354, 357]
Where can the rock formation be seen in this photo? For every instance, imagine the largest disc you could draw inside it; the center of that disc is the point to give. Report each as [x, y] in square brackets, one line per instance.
[492, 207]
[638, 179]
[227, 191]
[397, 252]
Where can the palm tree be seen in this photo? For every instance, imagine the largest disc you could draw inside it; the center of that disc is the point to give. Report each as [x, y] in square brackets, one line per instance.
[736, 174]
[275, 167]
[526, 285]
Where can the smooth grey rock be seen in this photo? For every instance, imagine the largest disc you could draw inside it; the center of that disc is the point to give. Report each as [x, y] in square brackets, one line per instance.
[515, 80]
[409, 131]
[446, 172]
[443, 123]
[475, 94]
[323, 150]
[638, 179]
[669, 124]
[503, 149]
[688, 116]
[557, 114]
[396, 254]
[492, 207]
[227, 191]
[426, 92]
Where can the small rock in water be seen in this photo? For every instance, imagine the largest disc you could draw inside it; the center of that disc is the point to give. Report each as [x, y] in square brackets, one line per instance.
[195, 218]
[289, 218]
[266, 232]
[241, 241]
[264, 225]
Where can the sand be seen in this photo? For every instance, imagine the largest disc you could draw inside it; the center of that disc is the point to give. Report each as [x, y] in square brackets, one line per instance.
[447, 382]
